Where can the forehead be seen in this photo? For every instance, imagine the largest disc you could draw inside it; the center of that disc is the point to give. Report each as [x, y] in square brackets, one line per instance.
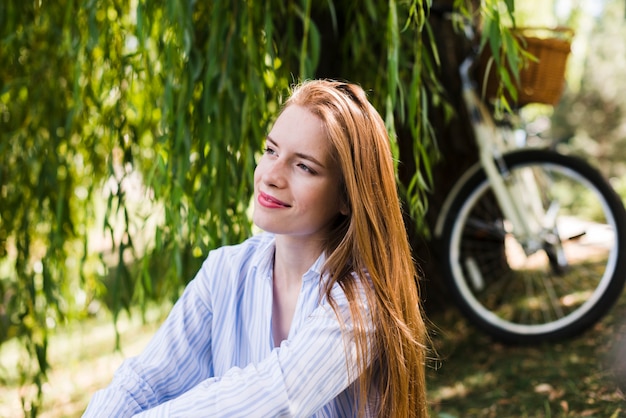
[299, 129]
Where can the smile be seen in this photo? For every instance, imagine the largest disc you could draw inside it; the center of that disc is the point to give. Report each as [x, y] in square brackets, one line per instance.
[268, 201]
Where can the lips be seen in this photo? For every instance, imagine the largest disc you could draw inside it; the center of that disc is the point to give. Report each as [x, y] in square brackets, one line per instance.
[271, 202]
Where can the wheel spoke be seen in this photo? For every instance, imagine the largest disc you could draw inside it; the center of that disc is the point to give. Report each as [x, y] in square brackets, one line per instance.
[575, 265]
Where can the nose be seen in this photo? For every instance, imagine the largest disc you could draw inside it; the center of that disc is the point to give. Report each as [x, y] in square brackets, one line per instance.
[274, 173]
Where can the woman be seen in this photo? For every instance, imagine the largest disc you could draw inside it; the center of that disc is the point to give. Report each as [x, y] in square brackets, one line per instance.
[318, 315]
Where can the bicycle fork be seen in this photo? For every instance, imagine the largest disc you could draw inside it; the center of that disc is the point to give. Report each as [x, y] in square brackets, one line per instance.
[520, 201]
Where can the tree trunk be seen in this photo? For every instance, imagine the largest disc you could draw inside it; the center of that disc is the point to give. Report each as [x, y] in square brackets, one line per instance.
[458, 152]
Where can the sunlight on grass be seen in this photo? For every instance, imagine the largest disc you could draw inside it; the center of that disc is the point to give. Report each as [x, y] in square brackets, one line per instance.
[83, 359]
[462, 388]
[479, 377]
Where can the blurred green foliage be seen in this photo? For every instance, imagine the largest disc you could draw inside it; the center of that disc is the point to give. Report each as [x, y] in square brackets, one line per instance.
[590, 119]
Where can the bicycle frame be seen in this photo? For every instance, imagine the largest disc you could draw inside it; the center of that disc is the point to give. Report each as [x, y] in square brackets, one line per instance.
[527, 217]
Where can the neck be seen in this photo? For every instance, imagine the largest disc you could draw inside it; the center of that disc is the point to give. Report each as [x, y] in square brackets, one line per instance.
[294, 257]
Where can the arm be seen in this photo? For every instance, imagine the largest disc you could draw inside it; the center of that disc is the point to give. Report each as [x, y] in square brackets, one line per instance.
[297, 379]
[176, 359]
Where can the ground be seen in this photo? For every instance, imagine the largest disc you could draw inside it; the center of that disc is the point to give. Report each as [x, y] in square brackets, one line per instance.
[478, 377]
[472, 376]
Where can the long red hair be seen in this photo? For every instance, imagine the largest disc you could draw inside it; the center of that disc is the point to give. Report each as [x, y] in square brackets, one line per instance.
[372, 240]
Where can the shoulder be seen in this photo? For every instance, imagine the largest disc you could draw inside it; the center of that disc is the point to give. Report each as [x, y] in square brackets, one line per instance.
[228, 266]
[354, 289]
[252, 248]
[254, 252]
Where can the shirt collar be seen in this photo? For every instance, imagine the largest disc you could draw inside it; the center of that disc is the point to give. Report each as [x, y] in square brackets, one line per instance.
[264, 260]
[315, 270]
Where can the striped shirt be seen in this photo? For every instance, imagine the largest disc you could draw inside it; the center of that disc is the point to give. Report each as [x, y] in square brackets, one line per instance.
[214, 355]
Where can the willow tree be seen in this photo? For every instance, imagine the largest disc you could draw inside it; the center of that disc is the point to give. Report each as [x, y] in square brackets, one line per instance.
[175, 97]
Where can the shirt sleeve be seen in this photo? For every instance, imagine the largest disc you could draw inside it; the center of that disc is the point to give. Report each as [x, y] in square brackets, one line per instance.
[172, 363]
[297, 379]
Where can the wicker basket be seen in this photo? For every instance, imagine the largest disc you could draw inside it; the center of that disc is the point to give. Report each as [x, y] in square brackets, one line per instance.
[541, 81]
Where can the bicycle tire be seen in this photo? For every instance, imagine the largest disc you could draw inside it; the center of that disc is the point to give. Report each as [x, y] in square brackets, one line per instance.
[519, 298]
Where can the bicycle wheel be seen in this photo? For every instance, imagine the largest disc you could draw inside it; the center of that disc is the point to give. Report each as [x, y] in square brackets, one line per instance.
[558, 283]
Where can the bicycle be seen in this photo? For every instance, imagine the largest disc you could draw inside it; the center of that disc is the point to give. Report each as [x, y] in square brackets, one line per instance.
[533, 239]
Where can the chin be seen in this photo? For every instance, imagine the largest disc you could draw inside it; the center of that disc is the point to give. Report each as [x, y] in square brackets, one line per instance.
[264, 225]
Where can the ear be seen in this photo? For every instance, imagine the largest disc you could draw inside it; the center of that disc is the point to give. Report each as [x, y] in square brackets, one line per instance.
[344, 207]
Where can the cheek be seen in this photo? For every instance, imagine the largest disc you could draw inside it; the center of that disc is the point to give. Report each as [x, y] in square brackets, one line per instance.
[327, 199]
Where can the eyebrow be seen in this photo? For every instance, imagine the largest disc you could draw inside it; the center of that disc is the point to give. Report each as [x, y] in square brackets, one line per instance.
[298, 154]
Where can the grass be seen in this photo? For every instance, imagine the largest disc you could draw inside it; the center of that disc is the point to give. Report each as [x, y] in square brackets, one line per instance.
[83, 358]
[580, 377]
[475, 377]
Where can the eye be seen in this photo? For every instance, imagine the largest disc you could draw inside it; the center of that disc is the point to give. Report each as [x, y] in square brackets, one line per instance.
[269, 150]
[306, 168]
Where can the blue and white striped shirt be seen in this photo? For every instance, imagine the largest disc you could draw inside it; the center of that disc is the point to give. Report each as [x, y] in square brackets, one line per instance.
[214, 355]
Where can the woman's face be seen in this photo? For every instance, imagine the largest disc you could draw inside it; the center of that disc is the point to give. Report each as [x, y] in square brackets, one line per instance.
[297, 183]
